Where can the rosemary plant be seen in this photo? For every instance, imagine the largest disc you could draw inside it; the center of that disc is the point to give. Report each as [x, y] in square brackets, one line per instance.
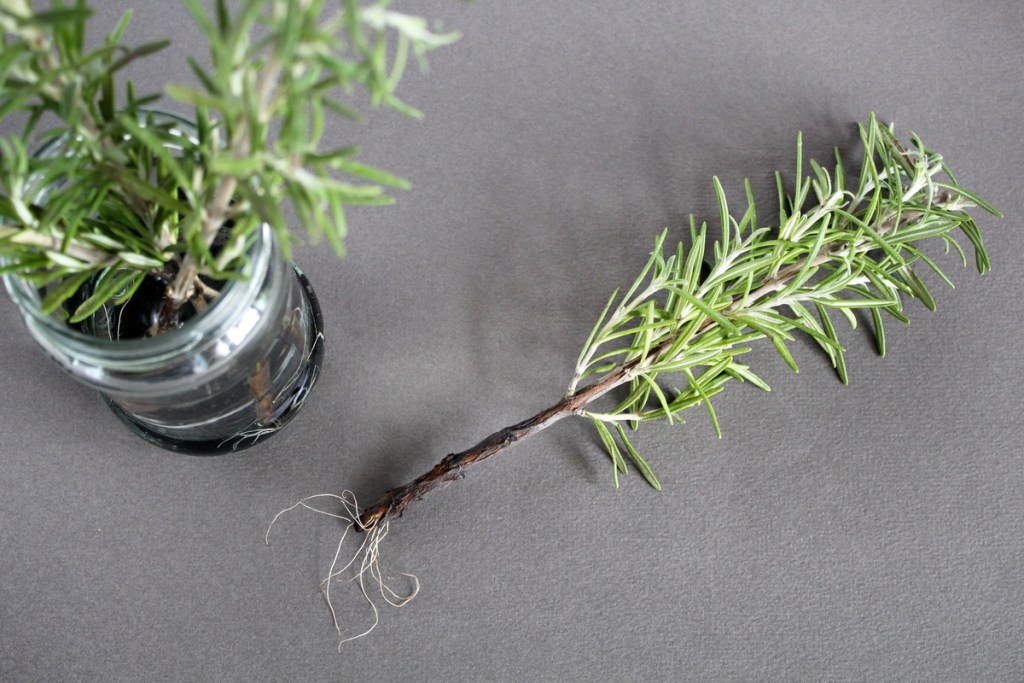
[839, 247]
[141, 197]
[696, 309]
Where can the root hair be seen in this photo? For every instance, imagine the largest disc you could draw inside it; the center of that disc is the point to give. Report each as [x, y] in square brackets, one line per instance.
[363, 567]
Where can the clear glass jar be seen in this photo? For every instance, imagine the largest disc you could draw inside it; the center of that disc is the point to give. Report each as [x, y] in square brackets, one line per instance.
[225, 380]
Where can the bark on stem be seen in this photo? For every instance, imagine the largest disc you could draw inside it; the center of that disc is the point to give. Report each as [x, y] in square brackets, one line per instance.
[394, 501]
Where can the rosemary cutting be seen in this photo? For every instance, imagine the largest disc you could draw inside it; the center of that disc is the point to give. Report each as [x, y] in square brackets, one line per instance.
[853, 247]
[838, 247]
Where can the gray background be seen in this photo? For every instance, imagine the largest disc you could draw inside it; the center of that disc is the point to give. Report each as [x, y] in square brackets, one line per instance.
[866, 532]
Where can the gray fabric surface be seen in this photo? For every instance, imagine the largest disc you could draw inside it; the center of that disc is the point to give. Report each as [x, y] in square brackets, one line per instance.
[855, 533]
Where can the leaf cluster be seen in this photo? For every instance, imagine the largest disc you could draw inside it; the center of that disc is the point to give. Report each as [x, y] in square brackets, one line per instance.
[120, 192]
[839, 247]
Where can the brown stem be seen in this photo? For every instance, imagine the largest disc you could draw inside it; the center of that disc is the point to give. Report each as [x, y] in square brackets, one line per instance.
[393, 502]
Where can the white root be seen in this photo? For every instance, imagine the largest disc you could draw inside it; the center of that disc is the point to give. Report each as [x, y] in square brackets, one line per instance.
[257, 429]
[365, 561]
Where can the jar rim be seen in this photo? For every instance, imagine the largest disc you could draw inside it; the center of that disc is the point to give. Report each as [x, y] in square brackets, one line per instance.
[236, 296]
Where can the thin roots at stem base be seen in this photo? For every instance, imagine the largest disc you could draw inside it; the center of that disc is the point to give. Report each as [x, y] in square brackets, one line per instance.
[363, 567]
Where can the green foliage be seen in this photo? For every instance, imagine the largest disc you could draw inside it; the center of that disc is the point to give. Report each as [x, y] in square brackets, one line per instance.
[140, 193]
[839, 248]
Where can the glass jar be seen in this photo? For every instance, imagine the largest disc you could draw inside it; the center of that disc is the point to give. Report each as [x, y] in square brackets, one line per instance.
[225, 380]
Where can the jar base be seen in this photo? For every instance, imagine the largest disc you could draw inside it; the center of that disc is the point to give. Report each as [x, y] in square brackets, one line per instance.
[259, 434]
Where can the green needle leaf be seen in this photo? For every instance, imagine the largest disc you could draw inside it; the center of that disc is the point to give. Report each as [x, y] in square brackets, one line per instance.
[640, 463]
[618, 464]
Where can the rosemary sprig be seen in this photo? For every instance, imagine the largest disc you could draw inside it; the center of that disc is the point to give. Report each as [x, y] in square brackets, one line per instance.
[838, 248]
